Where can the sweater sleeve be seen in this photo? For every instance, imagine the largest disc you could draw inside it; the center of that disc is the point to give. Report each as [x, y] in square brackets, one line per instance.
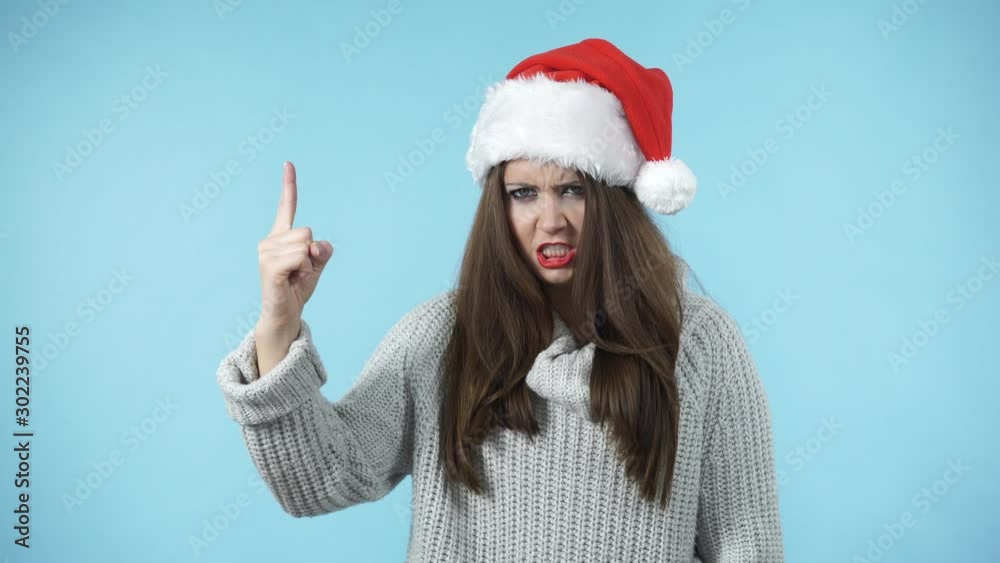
[319, 456]
[738, 514]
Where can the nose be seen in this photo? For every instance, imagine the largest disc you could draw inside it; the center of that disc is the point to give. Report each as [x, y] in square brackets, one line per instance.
[551, 215]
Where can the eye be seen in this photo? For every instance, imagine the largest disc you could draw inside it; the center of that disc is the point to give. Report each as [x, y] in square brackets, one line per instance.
[515, 193]
[578, 189]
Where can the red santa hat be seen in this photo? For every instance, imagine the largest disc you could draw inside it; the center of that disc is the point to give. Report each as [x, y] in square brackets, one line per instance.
[590, 107]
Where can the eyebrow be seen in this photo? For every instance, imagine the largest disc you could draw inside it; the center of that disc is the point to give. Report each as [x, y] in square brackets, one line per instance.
[527, 185]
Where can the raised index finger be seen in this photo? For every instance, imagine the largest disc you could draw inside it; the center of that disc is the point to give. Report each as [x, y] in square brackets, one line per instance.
[289, 198]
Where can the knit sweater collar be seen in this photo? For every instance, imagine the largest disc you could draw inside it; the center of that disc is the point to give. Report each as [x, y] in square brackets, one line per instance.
[561, 372]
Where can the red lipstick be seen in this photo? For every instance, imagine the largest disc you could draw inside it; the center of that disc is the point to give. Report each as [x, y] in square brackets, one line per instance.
[555, 261]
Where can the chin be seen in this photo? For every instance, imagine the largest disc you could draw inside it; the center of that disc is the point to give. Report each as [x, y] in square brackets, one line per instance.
[557, 278]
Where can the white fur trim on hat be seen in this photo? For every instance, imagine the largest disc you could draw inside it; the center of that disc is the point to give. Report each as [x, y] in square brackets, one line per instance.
[665, 186]
[575, 124]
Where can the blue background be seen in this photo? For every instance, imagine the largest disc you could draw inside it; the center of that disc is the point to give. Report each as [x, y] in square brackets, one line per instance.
[822, 309]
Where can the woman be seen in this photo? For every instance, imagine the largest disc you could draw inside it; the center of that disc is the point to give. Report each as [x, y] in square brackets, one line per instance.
[572, 399]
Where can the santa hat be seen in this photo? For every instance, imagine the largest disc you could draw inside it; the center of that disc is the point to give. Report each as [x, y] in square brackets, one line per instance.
[590, 107]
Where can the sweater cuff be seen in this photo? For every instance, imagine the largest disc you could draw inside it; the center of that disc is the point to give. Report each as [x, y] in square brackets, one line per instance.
[252, 399]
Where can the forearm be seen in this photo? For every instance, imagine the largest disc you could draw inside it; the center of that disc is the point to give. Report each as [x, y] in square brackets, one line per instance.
[312, 462]
[272, 344]
[318, 456]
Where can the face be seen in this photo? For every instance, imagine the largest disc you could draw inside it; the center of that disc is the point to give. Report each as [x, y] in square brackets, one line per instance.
[545, 207]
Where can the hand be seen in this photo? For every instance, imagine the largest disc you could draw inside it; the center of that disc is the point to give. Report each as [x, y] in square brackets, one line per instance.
[290, 265]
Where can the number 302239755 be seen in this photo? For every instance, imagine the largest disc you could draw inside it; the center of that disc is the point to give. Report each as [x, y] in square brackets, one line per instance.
[21, 372]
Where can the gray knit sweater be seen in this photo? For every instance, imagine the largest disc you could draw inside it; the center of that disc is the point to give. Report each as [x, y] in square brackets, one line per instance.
[563, 498]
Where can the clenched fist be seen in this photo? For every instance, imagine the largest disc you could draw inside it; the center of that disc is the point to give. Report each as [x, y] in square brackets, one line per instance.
[290, 266]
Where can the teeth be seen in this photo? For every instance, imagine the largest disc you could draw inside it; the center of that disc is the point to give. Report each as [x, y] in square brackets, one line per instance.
[555, 250]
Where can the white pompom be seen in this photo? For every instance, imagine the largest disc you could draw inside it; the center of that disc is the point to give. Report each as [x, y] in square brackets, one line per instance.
[665, 186]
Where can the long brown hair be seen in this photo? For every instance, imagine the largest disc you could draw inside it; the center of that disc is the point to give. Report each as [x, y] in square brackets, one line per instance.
[626, 290]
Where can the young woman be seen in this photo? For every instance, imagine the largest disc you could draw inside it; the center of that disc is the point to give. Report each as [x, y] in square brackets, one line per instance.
[573, 399]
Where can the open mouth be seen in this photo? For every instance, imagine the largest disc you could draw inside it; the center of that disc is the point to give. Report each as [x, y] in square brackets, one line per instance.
[555, 255]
